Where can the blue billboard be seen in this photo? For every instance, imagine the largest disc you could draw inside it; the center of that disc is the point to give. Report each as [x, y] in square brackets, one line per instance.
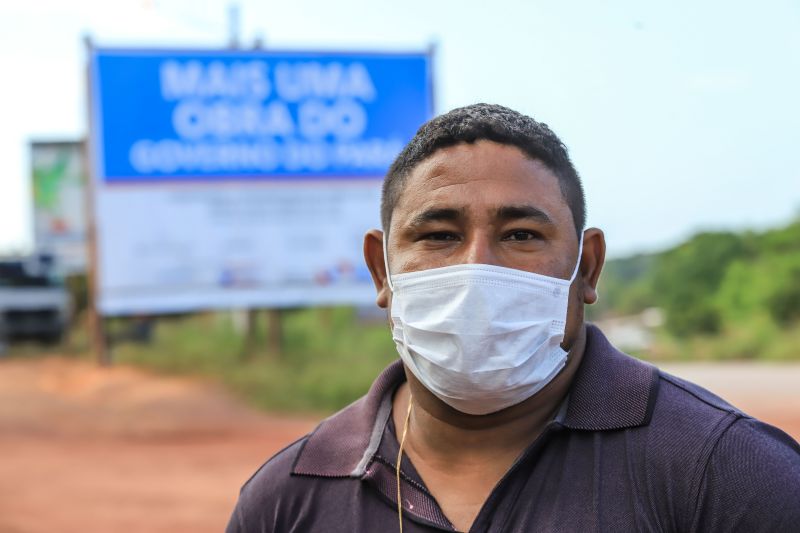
[254, 115]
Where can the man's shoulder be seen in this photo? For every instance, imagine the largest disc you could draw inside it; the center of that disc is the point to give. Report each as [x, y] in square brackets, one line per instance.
[700, 453]
[277, 498]
[676, 424]
[686, 415]
[695, 409]
[691, 403]
[718, 455]
[270, 485]
[614, 390]
[308, 458]
[302, 482]
[275, 470]
[745, 473]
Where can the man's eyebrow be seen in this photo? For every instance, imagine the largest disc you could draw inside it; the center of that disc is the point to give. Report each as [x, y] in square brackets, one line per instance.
[437, 214]
[513, 212]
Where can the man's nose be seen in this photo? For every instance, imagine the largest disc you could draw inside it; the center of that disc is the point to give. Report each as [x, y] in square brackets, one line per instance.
[479, 251]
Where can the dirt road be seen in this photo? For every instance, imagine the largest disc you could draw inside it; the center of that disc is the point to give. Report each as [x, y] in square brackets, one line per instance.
[84, 449]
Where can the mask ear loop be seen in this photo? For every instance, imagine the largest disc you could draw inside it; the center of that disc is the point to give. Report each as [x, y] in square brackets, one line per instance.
[577, 264]
[386, 262]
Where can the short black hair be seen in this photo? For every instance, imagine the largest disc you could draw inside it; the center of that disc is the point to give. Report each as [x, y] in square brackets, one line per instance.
[492, 123]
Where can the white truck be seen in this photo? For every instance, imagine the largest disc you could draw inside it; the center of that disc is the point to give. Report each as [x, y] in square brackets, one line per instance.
[33, 303]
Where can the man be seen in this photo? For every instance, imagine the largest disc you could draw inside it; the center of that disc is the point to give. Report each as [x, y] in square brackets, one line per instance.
[506, 411]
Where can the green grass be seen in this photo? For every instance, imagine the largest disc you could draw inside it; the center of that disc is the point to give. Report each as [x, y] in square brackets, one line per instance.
[328, 358]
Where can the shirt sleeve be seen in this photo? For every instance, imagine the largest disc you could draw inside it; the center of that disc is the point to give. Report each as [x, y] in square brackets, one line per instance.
[235, 524]
[751, 481]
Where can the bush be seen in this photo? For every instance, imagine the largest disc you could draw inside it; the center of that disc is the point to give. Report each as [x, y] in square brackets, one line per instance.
[328, 360]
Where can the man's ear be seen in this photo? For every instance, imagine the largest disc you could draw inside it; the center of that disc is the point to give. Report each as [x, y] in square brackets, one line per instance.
[373, 255]
[594, 256]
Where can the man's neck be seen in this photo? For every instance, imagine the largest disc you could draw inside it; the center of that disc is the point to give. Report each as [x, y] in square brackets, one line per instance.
[438, 431]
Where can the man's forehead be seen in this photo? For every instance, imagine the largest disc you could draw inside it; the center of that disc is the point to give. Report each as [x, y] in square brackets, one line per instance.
[482, 165]
[484, 177]
[482, 153]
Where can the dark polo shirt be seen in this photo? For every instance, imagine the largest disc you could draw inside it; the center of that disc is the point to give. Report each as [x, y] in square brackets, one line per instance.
[632, 449]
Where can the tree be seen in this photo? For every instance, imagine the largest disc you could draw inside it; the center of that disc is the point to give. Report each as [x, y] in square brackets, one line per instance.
[686, 279]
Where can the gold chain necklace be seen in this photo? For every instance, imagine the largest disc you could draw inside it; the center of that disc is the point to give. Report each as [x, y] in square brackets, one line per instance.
[399, 458]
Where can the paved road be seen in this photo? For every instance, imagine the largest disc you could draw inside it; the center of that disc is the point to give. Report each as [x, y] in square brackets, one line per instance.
[87, 450]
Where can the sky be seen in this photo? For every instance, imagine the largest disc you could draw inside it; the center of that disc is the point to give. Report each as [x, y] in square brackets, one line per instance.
[680, 116]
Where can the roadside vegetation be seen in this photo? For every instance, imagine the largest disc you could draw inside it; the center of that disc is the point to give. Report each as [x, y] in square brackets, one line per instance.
[724, 295]
[329, 356]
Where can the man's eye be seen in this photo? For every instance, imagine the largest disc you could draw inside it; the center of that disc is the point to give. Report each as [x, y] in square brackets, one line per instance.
[522, 235]
[439, 236]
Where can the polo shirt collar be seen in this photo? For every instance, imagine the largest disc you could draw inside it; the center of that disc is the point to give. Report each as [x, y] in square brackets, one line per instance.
[610, 391]
[343, 444]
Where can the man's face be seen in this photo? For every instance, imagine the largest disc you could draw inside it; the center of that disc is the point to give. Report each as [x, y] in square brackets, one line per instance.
[482, 203]
[487, 203]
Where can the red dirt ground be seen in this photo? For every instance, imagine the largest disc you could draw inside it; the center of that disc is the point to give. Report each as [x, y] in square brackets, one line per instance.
[84, 449]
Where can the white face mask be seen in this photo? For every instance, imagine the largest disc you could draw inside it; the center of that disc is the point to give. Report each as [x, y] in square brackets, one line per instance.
[480, 337]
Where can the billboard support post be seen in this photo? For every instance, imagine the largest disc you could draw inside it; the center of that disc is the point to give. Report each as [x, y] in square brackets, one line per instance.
[97, 330]
[250, 327]
[275, 333]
